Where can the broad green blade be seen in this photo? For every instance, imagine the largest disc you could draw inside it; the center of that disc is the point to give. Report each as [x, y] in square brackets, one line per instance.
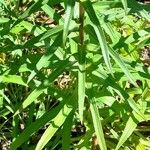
[113, 34]
[99, 32]
[68, 17]
[29, 26]
[73, 46]
[97, 125]
[56, 123]
[129, 129]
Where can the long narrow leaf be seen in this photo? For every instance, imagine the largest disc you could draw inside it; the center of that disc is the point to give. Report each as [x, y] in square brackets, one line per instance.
[68, 17]
[82, 63]
[33, 127]
[99, 32]
[130, 127]
[122, 66]
[124, 3]
[66, 133]
[81, 89]
[134, 106]
[31, 98]
[33, 8]
[54, 126]
[97, 125]
[38, 91]
[13, 79]
[43, 36]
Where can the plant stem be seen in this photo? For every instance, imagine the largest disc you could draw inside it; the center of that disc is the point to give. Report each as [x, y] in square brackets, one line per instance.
[81, 19]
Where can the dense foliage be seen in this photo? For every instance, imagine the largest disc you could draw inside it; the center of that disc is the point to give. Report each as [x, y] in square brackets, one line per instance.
[74, 74]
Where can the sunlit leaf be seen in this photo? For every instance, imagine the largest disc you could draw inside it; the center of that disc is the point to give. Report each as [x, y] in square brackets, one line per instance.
[99, 32]
[129, 128]
[97, 125]
[54, 126]
[68, 18]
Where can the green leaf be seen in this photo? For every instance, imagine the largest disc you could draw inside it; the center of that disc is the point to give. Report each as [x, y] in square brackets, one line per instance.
[97, 125]
[31, 98]
[81, 89]
[13, 79]
[129, 129]
[1, 98]
[38, 91]
[99, 32]
[52, 14]
[45, 59]
[33, 8]
[121, 64]
[81, 80]
[134, 106]
[125, 96]
[56, 123]
[124, 3]
[68, 17]
[29, 26]
[66, 132]
[4, 20]
[34, 126]
[43, 36]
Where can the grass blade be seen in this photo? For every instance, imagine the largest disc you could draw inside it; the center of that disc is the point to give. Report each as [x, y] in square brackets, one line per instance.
[81, 67]
[134, 106]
